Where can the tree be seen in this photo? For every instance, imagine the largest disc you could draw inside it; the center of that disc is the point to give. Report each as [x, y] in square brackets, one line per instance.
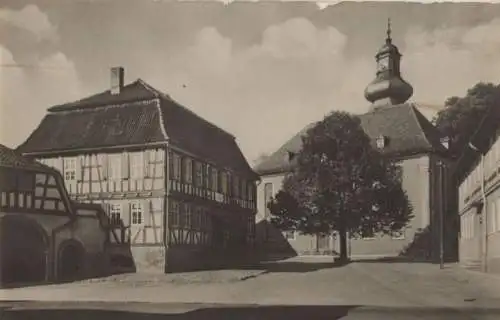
[340, 183]
[461, 115]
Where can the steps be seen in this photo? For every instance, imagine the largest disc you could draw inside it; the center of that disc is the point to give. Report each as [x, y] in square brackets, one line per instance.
[473, 265]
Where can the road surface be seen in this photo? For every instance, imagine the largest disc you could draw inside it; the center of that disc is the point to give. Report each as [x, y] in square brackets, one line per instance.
[293, 289]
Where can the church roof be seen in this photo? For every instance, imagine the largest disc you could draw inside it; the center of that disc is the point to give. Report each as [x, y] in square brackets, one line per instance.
[138, 116]
[407, 131]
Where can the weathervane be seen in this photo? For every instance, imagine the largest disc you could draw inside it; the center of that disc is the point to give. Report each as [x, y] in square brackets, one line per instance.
[388, 40]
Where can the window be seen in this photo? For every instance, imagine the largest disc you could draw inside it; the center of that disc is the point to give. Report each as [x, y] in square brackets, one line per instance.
[176, 167]
[115, 166]
[115, 213]
[136, 165]
[250, 191]
[188, 170]
[207, 176]
[268, 195]
[244, 193]
[70, 169]
[136, 212]
[199, 174]
[236, 187]
[214, 179]
[223, 182]
[174, 212]
[189, 214]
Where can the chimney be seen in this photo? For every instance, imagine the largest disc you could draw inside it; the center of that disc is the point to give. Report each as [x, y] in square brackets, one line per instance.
[117, 78]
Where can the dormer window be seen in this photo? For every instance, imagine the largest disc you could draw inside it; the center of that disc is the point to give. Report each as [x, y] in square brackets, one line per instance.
[381, 142]
[445, 141]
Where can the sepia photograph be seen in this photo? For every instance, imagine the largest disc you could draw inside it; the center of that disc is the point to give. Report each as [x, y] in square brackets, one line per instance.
[218, 159]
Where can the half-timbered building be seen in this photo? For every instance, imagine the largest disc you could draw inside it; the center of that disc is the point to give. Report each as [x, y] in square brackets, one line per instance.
[44, 235]
[179, 184]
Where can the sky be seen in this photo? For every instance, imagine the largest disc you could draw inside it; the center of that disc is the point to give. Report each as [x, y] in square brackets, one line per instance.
[260, 70]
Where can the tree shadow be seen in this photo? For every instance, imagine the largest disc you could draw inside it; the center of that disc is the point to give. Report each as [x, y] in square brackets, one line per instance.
[216, 312]
[246, 312]
[271, 243]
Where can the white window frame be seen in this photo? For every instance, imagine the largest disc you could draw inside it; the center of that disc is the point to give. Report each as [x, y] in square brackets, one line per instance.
[136, 160]
[70, 167]
[136, 213]
[115, 213]
[115, 166]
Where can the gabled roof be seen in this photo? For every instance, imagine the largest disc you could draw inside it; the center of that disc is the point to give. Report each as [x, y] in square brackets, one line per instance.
[279, 161]
[407, 131]
[11, 158]
[138, 115]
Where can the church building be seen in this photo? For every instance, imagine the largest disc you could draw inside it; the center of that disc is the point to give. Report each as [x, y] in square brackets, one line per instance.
[401, 132]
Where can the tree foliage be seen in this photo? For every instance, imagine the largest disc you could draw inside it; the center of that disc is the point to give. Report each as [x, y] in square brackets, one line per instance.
[340, 183]
[462, 115]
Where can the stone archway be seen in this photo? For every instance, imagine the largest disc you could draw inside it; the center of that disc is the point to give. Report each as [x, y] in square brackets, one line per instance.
[23, 251]
[71, 261]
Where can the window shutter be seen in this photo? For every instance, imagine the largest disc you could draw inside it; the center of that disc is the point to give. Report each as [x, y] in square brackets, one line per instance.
[125, 166]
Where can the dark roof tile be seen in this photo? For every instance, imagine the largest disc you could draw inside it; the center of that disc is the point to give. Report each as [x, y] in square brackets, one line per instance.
[133, 118]
[406, 129]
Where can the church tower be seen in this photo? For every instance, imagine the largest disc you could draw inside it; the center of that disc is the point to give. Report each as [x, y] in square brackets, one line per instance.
[388, 88]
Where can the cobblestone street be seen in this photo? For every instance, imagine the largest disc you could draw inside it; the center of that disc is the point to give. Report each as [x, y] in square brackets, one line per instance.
[299, 282]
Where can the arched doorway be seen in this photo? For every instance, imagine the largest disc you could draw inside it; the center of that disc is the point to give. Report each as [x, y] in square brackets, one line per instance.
[23, 251]
[71, 261]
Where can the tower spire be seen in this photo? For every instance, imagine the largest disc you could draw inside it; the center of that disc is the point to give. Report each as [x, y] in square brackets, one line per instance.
[388, 40]
[388, 88]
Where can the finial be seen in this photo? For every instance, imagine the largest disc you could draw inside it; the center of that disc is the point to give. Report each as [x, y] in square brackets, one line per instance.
[388, 39]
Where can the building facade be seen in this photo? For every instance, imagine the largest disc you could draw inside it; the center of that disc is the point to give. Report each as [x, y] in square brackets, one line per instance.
[179, 185]
[402, 133]
[44, 236]
[478, 178]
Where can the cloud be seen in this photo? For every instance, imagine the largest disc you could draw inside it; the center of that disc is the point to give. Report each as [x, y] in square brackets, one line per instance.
[448, 61]
[299, 72]
[262, 90]
[27, 89]
[31, 19]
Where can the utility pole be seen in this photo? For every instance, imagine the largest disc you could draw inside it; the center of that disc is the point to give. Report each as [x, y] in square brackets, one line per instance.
[485, 218]
[441, 212]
